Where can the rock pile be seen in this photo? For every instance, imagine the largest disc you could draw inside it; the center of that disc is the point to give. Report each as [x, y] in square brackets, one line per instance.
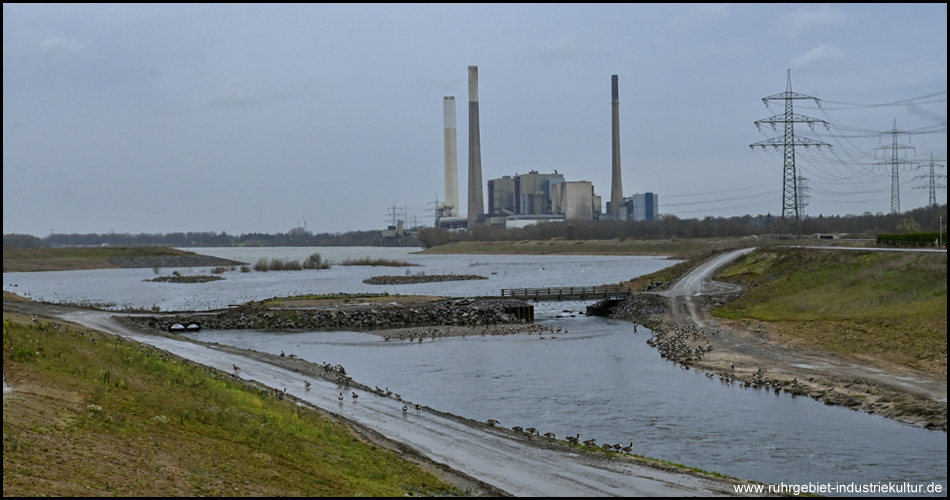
[447, 313]
[420, 278]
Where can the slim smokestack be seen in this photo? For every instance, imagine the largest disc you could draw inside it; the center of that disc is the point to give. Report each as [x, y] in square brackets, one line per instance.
[616, 185]
[476, 201]
[451, 158]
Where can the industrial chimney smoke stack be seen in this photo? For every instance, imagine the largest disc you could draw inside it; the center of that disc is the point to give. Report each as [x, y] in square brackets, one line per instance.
[616, 185]
[476, 202]
[451, 158]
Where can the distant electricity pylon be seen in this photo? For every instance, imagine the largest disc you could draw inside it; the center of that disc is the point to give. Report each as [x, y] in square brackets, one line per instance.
[393, 215]
[895, 164]
[932, 178]
[802, 190]
[791, 207]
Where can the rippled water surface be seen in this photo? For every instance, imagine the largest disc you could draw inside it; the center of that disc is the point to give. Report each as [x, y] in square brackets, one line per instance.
[598, 378]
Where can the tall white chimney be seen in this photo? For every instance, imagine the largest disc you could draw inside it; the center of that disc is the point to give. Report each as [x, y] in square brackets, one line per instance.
[451, 158]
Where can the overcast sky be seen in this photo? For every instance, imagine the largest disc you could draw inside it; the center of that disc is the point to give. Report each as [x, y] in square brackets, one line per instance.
[261, 118]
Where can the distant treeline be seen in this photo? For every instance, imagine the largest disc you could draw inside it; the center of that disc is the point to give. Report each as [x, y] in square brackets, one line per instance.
[910, 239]
[867, 225]
[296, 237]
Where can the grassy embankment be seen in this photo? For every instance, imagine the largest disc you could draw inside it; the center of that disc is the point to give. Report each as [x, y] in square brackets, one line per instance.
[675, 249]
[884, 306]
[74, 258]
[112, 417]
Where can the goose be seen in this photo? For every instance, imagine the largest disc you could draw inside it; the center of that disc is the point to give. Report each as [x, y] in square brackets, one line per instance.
[574, 439]
[517, 428]
[354, 395]
[549, 435]
[628, 449]
[340, 397]
[405, 408]
[306, 384]
[492, 422]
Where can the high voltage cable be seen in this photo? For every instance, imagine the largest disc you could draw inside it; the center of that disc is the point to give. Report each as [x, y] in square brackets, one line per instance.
[870, 67]
[902, 102]
[848, 170]
[715, 192]
[707, 202]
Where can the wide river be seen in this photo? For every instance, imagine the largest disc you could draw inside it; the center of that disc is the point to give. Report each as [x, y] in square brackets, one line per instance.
[597, 378]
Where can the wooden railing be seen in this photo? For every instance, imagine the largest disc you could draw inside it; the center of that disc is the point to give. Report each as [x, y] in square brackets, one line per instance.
[567, 293]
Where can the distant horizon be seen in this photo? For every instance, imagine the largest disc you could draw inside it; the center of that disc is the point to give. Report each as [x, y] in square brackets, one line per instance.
[213, 232]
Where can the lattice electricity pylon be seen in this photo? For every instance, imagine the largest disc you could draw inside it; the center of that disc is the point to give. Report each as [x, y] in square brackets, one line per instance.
[932, 178]
[895, 164]
[790, 198]
[801, 189]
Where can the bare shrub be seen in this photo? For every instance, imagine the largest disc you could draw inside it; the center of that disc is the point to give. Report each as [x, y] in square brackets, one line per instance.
[315, 261]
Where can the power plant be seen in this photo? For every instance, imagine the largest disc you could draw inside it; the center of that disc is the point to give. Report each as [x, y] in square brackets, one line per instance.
[519, 200]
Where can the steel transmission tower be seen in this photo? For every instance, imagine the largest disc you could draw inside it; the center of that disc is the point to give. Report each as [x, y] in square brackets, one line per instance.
[802, 191]
[933, 185]
[932, 178]
[895, 163]
[791, 209]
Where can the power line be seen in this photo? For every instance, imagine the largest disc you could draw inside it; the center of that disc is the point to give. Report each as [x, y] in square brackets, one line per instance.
[872, 67]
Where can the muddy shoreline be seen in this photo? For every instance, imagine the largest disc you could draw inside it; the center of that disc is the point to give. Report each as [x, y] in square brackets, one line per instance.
[745, 354]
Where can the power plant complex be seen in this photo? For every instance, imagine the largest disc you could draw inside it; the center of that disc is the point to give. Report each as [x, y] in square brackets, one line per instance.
[520, 200]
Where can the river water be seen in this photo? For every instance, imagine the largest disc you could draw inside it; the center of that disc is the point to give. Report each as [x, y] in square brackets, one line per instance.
[597, 378]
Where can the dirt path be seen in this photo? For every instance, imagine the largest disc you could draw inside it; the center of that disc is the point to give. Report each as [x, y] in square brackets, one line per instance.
[744, 353]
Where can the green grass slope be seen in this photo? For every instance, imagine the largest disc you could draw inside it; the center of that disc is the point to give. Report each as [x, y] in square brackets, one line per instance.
[97, 415]
[883, 305]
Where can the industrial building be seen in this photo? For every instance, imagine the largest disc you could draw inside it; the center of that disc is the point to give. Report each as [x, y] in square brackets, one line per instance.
[574, 199]
[525, 194]
[643, 207]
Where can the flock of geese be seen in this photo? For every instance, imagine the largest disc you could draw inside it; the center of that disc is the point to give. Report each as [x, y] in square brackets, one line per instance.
[575, 439]
[673, 343]
[527, 431]
[434, 332]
